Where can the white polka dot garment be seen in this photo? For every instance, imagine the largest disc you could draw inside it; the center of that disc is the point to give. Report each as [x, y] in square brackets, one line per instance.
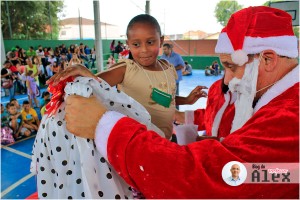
[70, 167]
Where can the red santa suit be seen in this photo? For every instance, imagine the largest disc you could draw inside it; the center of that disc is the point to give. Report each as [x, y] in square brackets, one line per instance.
[162, 169]
[217, 117]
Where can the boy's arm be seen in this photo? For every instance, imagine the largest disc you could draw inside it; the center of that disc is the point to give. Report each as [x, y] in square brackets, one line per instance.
[195, 94]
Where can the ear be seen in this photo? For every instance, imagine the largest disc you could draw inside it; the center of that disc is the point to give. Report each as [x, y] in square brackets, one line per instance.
[269, 59]
[162, 38]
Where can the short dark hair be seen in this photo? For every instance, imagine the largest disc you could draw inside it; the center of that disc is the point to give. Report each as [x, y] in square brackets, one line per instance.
[167, 45]
[6, 62]
[12, 99]
[144, 18]
[25, 102]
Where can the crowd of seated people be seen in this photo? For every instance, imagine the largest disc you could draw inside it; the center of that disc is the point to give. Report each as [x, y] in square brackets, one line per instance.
[26, 72]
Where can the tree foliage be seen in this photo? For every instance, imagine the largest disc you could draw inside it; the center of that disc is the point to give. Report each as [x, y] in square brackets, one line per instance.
[224, 9]
[30, 19]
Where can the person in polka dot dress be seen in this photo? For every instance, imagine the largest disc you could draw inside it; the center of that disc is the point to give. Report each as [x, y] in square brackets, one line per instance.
[70, 167]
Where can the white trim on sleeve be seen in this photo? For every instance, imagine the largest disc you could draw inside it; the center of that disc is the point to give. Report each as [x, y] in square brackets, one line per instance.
[103, 129]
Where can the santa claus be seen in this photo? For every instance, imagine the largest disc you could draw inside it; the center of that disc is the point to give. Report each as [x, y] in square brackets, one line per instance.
[258, 50]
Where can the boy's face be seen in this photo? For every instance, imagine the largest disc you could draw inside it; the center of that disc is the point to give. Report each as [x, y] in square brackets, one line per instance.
[144, 43]
[26, 107]
[12, 110]
[16, 103]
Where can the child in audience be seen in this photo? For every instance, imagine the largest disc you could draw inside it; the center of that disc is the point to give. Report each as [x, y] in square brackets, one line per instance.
[31, 88]
[30, 117]
[44, 98]
[6, 131]
[4, 116]
[16, 122]
[43, 109]
[16, 103]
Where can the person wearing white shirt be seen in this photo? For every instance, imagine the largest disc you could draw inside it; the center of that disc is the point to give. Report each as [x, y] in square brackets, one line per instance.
[234, 179]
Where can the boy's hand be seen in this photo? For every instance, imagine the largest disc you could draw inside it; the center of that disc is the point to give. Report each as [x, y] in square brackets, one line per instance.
[196, 94]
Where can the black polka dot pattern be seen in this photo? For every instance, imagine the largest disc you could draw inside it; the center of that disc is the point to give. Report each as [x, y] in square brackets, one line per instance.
[61, 161]
[58, 149]
[59, 123]
[109, 176]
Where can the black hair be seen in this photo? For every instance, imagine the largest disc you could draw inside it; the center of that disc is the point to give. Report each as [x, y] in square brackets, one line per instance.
[25, 102]
[167, 45]
[130, 56]
[146, 19]
[224, 87]
[7, 61]
[45, 93]
[12, 99]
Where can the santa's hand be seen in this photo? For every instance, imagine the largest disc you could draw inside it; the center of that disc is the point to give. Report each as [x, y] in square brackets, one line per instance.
[74, 70]
[83, 115]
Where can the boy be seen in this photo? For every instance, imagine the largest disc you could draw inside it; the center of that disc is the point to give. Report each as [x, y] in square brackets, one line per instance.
[30, 117]
[16, 122]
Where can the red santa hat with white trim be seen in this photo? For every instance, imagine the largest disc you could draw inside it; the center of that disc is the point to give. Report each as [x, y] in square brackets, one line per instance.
[255, 29]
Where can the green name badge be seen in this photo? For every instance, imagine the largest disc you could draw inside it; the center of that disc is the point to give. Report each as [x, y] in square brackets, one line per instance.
[161, 97]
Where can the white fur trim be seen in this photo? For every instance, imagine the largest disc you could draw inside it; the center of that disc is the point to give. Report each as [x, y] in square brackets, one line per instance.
[239, 57]
[278, 88]
[103, 129]
[218, 117]
[282, 45]
[224, 45]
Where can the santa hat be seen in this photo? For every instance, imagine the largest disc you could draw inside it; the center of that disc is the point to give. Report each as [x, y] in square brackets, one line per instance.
[255, 29]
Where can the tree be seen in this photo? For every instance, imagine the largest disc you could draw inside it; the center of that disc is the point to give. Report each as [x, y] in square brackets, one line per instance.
[224, 9]
[30, 19]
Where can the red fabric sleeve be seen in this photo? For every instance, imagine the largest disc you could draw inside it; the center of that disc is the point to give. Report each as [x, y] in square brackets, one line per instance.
[162, 169]
[199, 119]
[204, 118]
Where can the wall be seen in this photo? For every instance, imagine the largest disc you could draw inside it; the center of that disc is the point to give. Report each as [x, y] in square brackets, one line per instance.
[88, 32]
[193, 47]
[200, 62]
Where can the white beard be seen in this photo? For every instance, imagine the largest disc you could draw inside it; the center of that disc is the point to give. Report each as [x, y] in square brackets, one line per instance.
[245, 91]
